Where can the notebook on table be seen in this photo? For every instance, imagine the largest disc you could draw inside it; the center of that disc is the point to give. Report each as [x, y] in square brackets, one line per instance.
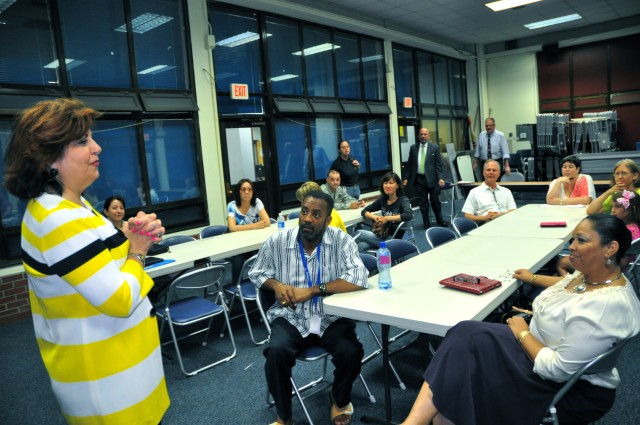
[474, 284]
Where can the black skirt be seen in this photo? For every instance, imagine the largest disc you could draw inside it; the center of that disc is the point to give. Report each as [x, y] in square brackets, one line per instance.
[480, 375]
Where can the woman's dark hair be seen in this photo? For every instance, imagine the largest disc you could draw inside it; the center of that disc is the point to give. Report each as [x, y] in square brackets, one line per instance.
[572, 159]
[343, 141]
[634, 207]
[41, 134]
[611, 228]
[631, 165]
[391, 176]
[110, 199]
[237, 192]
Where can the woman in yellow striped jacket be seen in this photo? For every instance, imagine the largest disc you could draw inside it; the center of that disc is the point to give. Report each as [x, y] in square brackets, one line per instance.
[94, 325]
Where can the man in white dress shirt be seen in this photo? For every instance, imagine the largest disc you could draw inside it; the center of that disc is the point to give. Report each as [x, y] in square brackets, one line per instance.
[492, 145]
[488, 201]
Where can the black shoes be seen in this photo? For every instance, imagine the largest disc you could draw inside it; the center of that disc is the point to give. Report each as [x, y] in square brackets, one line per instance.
[443, 223]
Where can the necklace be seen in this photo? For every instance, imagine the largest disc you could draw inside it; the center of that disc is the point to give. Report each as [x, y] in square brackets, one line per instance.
[581, 287]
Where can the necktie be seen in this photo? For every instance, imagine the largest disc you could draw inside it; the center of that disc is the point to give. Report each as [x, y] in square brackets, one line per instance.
[423, 150]
[488, 146]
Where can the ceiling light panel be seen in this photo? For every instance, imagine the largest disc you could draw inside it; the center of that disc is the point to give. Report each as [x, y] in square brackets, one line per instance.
[554, 21]
[497, 6]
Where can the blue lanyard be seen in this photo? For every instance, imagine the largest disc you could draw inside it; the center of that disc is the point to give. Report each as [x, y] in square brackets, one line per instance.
[306, 269]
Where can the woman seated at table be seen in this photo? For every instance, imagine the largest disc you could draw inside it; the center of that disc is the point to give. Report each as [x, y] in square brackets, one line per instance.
[572, 188]
[114, 210]
[624, 177]
[336, 220]
[245, 212]
[394, 208]
[490, 373]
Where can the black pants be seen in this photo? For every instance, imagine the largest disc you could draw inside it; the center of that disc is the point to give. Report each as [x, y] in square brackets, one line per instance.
[341, 342]
[426, 193]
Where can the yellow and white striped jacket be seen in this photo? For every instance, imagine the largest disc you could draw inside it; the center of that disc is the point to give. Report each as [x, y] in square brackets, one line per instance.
[94, 324]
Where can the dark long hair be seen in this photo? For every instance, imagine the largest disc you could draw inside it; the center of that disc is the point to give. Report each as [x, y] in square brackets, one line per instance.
[110, 199]
[391, 176]
[236, 193]
[40, 137]
[611, 228]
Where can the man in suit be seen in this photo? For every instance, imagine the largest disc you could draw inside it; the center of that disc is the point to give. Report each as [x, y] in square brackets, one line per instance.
[424, 173]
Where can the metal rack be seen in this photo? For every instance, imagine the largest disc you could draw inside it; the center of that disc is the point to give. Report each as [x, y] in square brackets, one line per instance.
[595, 132]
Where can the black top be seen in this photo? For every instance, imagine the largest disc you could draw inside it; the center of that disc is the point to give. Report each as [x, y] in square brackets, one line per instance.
[402, 206]
[349, 174]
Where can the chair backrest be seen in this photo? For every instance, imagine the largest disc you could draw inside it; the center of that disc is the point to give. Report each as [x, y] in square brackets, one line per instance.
[176, 240]
[401, 249]
[404, 228]
[462, 225]
[215, 230]
[602, 363]
[439, 235]
[370, 262]
[515, 176]
[272, 220]
[209, 278]
[292, 215]
[246, 266]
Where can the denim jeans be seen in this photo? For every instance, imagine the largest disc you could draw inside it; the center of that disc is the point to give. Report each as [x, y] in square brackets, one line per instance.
[353, 191]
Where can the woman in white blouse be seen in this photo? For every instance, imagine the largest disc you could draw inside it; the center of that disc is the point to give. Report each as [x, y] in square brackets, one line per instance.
[488, 373]
[572, 188]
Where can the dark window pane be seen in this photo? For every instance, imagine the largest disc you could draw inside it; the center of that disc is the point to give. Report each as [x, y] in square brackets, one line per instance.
[324, 138]
[425, 78]
[285, 67]
[292, 151]
[119, 163]
[378, 138]
[373, 70]
[442, 80]
[237, 53]
[159, 40]
[405, 85]
[458, 82]
[27, 54]
[318, 57]
[171, 160]
[348, 67]
[95, 43]
[353, 132]
[228, 106]
[11, 208]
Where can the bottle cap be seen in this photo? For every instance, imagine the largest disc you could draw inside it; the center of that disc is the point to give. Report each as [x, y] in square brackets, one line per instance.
[383, 244]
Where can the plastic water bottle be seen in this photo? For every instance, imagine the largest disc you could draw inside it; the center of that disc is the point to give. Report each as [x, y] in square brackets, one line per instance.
[280, 222]
[384, 267]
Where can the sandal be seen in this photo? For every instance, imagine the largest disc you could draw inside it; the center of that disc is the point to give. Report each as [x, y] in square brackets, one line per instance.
[289, 422]
[341, 416]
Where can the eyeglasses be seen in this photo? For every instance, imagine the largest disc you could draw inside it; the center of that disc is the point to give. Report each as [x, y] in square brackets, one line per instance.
[246, 189]
[621, 174]
[466, 278]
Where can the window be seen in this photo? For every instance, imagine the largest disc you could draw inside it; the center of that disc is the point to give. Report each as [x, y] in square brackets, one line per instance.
[373, 70]
[378, 143]
[404, 79]
[426, 78]
[318, 58]
[95, 43]
[285, 66]
[159, 40]
[442, 80]
[236, 56]
[348, 66]
[27, 55]
[292, 151]
[324, 139]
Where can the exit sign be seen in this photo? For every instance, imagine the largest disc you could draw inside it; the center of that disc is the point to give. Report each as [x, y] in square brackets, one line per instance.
[408, 102]
[239, 91]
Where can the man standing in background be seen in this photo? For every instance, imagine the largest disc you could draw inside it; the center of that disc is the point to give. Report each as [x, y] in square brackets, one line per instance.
[492, 145]
[425, 174]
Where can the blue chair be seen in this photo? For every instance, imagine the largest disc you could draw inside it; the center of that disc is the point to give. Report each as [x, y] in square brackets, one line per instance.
[181, 312]
[245, 291]
[370, 262]
[273, 220]
[463, 225]
[439, 235]
[214, 230]
[176, 240]
[401, 250]
[292, 215]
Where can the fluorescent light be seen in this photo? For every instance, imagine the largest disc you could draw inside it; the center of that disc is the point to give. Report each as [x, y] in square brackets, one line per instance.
[5, 4]
[316, 49]
[366, 59]
[70, 63]
[284, 77]
[145, 22]
[554, 21]
[497, 6]
[155, 69]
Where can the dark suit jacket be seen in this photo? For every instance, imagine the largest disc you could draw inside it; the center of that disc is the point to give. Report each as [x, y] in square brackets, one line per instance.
[433, 165]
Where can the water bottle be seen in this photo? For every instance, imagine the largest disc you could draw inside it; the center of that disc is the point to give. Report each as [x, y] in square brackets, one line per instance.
[384, 267]
[280, 222]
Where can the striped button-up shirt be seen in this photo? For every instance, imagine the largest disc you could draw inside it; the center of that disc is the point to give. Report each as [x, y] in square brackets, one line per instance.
[279, 259]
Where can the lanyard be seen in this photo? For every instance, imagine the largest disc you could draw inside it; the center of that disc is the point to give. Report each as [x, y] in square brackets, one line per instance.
[306, 269]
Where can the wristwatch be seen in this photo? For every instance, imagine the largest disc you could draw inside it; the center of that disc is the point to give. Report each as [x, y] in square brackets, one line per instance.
[140, 257]
[323, 289]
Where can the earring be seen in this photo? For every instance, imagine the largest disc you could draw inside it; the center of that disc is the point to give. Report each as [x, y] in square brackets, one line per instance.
[53, 185]
[608, 262]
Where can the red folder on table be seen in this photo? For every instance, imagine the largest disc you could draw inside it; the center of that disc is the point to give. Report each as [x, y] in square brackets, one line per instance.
[474, 284]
